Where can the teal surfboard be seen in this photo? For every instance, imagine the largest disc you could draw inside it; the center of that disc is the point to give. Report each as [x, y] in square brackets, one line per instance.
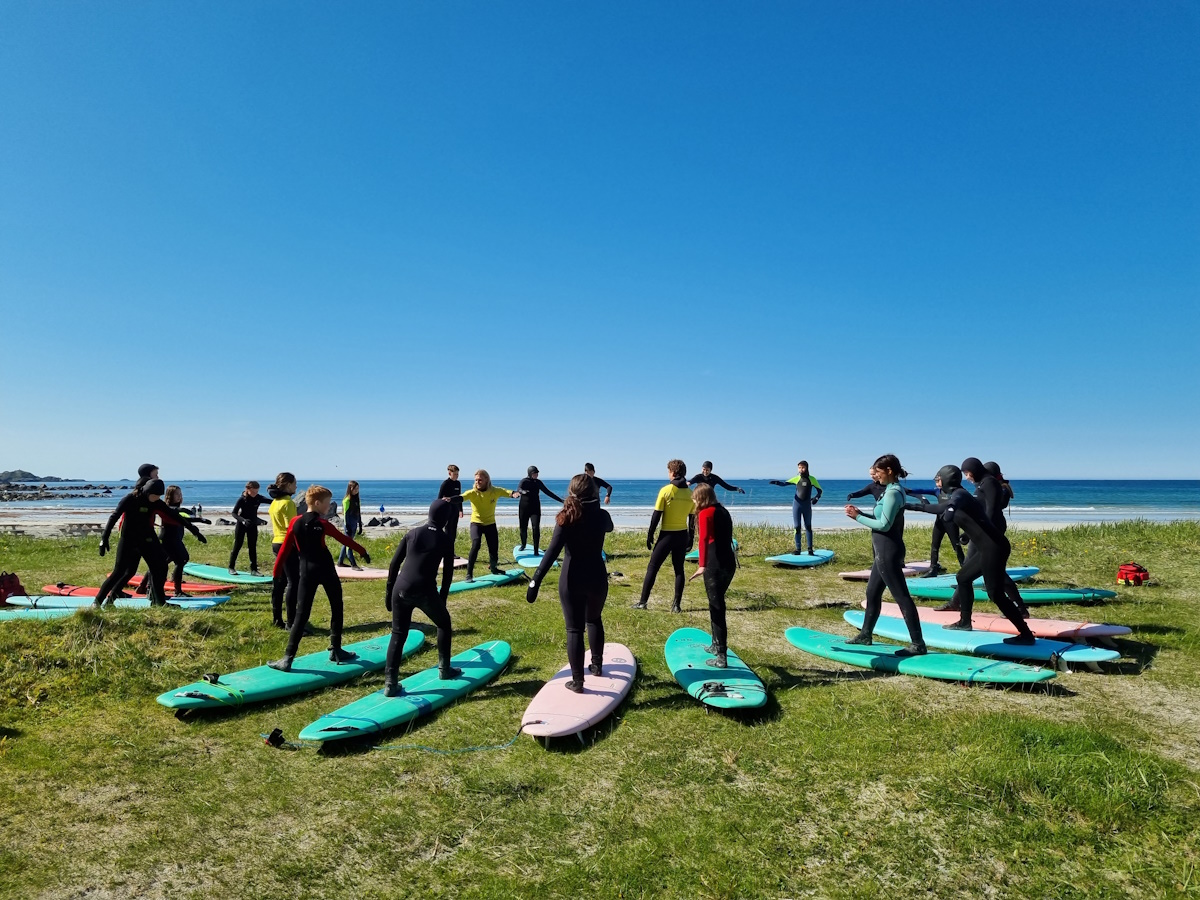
[52, 601]
[802, 560]
[309, 673]
[923, 590]
[222, 576]
[734, 687]
[944, 666]
[488, 580]
[1016, 573]
[694, 554]
[423, 693]
[14, 614]
[524, 556]
[987, 643]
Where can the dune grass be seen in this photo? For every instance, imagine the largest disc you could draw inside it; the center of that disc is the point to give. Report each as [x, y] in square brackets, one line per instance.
[847, 784]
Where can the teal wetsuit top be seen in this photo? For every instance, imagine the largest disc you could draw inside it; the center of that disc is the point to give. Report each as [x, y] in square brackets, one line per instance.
[889, 510]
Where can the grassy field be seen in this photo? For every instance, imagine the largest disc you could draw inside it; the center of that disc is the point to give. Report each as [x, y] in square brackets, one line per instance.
[847, 784]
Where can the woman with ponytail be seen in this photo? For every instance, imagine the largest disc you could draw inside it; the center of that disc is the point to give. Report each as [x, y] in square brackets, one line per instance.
[580, 529]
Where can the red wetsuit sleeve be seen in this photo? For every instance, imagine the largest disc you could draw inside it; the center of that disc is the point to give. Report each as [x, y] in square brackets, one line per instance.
[705, 520]
[286, 548]
[332, 531]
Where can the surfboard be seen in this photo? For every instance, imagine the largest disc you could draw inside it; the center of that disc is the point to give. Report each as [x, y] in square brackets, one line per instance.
[53, 601]
[1016, 573]
[987, 643]
[1057, 629]
[74, 590]
[943, 666]
[802, 560]
[910, 570]
[555, 711]
[488, 580]
[924, 590]
[523, 555]
[216, 573]
[11, 614]
[309, 673]
[423, 693]
[734, 687]
[345, 573]
[693, 555]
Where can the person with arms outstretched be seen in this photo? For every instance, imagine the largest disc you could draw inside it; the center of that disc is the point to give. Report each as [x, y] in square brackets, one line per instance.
[706, 476]
[529, 509]
[808, 493]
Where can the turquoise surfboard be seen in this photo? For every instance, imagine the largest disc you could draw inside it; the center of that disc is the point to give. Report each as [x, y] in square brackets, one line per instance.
[216, 573]
[923, 590]
[1016, 573]
[694, 554]
[309, 673]
[523, 555]
[488, 580]
[53, 601]
[17, 613]
[802, 560]
[423, 693]
[734, 687]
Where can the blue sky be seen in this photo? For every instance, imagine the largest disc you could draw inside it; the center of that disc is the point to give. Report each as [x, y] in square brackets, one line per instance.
[372, 237]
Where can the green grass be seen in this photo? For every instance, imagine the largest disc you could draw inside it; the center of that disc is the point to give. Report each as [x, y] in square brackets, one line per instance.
[846, 784]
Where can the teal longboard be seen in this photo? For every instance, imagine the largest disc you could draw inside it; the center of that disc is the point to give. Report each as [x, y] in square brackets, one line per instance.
[694, 555]
[309, 673]
[488, 580]
[802, 560]
[53, 601]
[945, 666]
[523, 555]
[922, 589]
[222, 576]
[987, 643]
[423, 693]
[1016, 573]
[14, 613]
[734, 687]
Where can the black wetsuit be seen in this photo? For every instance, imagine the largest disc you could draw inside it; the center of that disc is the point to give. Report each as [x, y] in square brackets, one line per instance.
[875, 490]
[305, 542]
[601, 484]
[413, 584]
[451, 489]
[714, 480]
[138, 541]
[886, 522]
[245, 511]
[583, 584]
[994, 497]
[285, 582]
[529, 509]
[719, 561]
[171, 535]
[674, 544]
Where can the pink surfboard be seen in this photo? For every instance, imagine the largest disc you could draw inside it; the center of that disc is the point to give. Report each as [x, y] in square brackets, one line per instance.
[911, 570]
[556, 712]
[1055, 629]
[345, 573]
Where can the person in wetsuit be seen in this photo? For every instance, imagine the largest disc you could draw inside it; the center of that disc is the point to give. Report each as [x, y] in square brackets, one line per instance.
[706, 476]
[305, 539]
[286, 582]
[352, 513]
[529, 508]
[989, 554]
[171, 536]
[451, 489]
[589, 469]
[886, 522]
[138, 541]
[675, 509]
[579, 532]
[413, 584]
[483, 497]
[990, 491]
[802, 502]
[718, 564]
[875, 490]
[245, 514]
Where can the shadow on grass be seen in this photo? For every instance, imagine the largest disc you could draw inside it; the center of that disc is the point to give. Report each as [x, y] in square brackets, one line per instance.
[6, 733]
[1141, 656]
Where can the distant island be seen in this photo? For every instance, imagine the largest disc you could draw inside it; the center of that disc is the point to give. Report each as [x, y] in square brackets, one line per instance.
[20, 476]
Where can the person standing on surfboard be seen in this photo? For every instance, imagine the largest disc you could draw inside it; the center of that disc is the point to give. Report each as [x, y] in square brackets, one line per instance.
[483, 497]
[942, 529]
[802, 502]
[886, 522]
[352, 513]
[675, 509]
[529, 509]
[412, 584]
[990, 491]
[305, 539]
[451, 489]
[245, 512]
[718, 564]
[706, 476]
[579, 532]
[171, 535]
[589, 469]
[285, 583]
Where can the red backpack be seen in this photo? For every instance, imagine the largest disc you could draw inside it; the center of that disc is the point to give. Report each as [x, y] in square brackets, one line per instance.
[1132, 575]
[10, 586]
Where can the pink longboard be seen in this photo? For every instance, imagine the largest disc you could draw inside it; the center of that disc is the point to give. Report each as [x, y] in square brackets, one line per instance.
[74, 590]
[1054, 629]
[556, 712]
[345, 573]
[911, 570]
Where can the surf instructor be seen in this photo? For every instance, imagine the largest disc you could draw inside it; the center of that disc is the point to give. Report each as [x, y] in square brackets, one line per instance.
[803, 502]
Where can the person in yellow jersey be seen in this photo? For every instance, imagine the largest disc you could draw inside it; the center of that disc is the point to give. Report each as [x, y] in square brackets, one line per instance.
[483, 498]
[287, 582]
[676, 511]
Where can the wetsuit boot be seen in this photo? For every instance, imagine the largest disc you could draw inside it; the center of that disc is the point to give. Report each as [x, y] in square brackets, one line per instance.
[337, 654]
[949, 606]
[718, 660]
[449, 673]
[575, 687]
[862, 639]
[596, 668]
[391, 688]
[283, 664]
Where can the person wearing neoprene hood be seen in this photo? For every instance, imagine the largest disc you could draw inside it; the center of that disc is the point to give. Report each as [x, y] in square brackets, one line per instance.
[886, 522]
[675, 509]
[717, 566]
[707, 476]
[529, 507]
[989, 554]
[589, 469]
[803, 502]
[413, 584]
[579, 532]
[245, 514]
[451, 489]
[992, 494]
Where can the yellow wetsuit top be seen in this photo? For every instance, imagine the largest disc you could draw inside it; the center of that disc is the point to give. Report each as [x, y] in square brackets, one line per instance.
[675, 504]
[282, 512]
[483, 503]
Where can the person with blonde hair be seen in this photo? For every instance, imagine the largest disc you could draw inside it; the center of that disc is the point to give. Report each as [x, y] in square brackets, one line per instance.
[675, 509]
[718, 564]
[483, 497]
[305, 540]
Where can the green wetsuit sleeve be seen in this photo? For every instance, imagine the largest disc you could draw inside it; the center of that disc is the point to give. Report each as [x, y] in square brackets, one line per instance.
[816, 484]
[888, 508]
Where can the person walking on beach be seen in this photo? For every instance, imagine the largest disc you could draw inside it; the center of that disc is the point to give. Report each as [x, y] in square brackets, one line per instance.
[886, 522]
[529, 508]
[579, 532]
[483, 497]
[451, 489]
[718, 564]
[589, 469]
[305, 540]
[352, 513]
[285, 581]
[706, 476]
[245, 514]
[802, 502]
[675, 509]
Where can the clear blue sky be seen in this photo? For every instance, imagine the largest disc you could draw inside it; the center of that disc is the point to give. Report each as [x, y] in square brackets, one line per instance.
[368, 238]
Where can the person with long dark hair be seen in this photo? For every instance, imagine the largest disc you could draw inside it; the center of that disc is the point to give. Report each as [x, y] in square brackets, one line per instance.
[717, 566]
[579, 531]
[352, 514]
